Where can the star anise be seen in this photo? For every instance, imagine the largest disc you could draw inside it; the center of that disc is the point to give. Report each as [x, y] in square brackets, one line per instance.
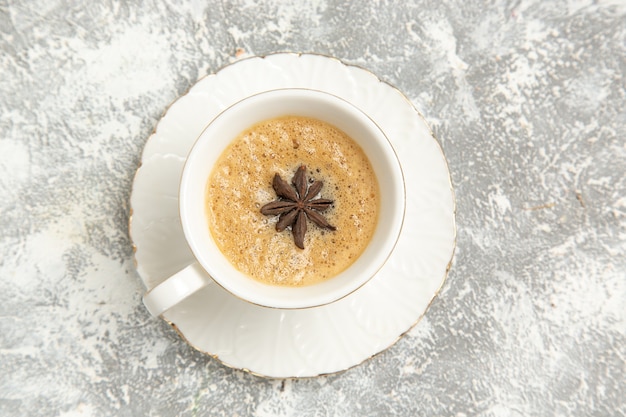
[296, 204]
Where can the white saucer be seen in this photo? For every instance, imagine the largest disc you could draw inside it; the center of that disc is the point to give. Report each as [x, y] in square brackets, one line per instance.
[321, 340]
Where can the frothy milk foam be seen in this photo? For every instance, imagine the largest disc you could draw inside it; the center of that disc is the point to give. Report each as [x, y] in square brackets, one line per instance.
[241, 182]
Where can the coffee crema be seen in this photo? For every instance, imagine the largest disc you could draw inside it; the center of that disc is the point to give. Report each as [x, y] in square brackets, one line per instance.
[241, 182]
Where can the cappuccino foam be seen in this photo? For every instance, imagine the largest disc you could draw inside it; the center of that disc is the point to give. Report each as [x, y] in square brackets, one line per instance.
[241, 183]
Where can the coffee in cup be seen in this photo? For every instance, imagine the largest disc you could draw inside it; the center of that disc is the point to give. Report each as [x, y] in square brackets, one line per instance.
[339, 217]
[213, 265]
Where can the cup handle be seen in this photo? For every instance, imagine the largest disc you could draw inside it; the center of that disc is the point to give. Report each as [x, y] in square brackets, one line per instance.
[175, 289]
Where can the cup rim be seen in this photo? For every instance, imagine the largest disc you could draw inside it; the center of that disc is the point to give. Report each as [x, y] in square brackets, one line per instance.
[217, 273]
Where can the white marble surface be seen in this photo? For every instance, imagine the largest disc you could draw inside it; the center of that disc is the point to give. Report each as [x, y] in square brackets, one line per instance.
[528, 99]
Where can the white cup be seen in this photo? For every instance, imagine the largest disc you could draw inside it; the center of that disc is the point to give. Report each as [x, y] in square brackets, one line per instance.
[211, 264]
